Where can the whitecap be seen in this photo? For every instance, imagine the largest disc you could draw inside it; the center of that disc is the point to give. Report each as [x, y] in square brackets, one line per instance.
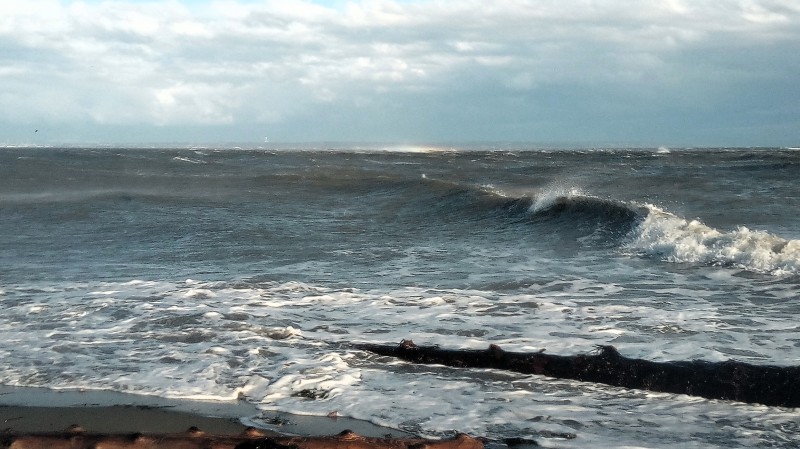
[675, 239]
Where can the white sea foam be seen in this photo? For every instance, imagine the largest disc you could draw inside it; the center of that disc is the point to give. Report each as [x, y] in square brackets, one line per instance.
[189, 160]
[674, 239]
[286, 346]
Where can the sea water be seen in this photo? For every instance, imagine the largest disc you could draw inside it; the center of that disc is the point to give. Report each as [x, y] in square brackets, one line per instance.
[224, 273]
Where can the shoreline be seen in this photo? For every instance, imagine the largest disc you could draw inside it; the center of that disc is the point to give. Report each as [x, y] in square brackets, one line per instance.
[32, 409]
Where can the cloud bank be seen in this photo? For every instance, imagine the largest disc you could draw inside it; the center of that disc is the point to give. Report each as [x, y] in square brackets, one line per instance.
[673, 72]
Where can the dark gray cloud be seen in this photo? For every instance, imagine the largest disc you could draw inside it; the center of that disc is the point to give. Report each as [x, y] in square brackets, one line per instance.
[651, 72]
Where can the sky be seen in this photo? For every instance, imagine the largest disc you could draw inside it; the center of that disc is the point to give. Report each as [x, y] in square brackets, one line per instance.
[585, 72]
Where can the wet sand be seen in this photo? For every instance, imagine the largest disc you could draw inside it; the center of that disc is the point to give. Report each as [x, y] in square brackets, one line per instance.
[44, 410]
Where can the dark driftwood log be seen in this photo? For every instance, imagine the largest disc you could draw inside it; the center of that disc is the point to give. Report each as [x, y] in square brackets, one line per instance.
[77, 438]
[731, 380]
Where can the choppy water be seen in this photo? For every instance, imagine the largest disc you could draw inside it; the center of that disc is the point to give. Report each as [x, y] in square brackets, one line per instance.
[217, 273]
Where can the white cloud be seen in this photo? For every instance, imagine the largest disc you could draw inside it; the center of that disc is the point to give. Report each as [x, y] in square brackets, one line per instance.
[220, 62]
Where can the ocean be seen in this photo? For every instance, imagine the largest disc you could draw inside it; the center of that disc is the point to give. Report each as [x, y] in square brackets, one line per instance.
[224, 273]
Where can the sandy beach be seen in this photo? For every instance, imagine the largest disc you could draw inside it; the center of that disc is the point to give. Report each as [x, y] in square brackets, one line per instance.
[40, 418]
[43, 410]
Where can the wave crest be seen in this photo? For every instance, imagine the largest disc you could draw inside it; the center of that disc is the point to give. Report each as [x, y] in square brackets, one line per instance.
[551, 198]
[648, 231]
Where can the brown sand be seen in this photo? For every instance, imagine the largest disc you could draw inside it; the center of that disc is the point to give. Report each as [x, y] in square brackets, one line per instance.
[43, 410]
[116, 419]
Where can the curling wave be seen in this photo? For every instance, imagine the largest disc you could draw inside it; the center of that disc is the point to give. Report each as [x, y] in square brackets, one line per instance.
[591, 220]
[648, 231]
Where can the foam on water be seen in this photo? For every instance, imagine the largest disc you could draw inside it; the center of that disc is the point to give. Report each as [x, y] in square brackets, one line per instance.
[675, 239]
[671, 238]
[287, 346]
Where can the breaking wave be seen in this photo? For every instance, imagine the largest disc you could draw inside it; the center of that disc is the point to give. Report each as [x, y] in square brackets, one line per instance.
[649, 231]
[674, 239]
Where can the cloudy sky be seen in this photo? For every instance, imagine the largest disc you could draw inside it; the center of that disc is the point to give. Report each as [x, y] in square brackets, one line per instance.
[611, 72]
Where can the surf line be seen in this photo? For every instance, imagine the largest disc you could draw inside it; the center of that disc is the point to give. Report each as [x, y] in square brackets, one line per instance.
[731, 380]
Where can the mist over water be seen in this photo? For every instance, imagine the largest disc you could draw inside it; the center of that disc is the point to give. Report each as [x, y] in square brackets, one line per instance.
[218, 272]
